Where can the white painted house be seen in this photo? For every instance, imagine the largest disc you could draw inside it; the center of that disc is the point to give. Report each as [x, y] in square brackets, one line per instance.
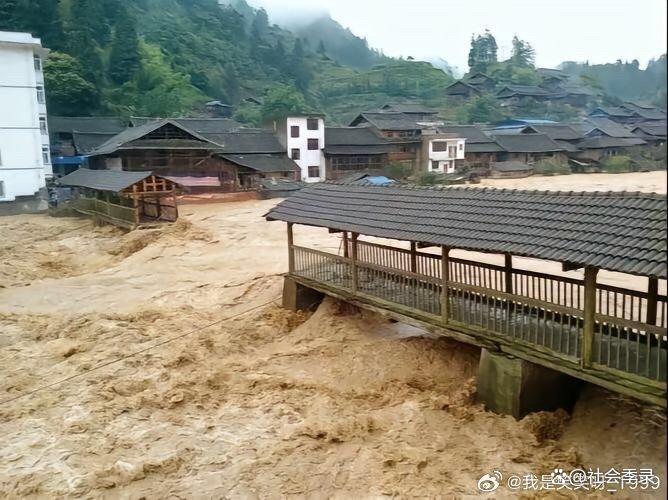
[25, 161]
[444, 152]
[304, 140]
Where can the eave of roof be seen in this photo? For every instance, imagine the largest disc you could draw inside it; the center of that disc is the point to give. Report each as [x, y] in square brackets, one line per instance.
[622, 232]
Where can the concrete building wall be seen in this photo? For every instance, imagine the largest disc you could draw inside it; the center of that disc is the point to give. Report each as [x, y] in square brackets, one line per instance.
[25, 161]
[442, 154]
[306, 157]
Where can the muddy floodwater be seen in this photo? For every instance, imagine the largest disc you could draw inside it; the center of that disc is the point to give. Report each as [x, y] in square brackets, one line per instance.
[247, 400]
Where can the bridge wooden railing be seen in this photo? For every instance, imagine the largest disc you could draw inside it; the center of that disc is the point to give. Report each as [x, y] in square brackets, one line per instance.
[626, 335]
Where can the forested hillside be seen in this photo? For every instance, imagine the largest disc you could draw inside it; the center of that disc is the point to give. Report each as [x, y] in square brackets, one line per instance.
[169, 57]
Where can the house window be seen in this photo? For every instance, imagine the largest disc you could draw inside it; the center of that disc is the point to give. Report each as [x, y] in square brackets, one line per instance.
[2, 189]
[440, 146]
[314, 171]
[313, 144]
[296, 154]
[451, 151]
[312, 124]
[461, 146]
[42, 125]
[294, 131]
[46, 157]
[38, 63]
[40, 94]
[434, 165]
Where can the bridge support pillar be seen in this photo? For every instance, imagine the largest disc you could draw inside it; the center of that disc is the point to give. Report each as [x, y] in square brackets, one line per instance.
[297, 297]
[516, 387]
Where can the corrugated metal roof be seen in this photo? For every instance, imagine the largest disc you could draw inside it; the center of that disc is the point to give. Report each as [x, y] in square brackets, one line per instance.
[103, 180]
[622, 232]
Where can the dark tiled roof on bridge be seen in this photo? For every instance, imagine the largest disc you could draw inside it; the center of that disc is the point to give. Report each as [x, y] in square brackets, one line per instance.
[622, 232]
[266, 163]
[103, 180]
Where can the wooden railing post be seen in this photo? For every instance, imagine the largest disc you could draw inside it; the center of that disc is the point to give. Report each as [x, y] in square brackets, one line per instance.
[353, 263]
[346, 250]
[291, 249]
[445, 280]
[509, 273]
[413, 257]
[652, 293]
[589, 315]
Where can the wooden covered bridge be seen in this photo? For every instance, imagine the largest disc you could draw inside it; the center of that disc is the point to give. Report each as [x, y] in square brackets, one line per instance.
[539, 331]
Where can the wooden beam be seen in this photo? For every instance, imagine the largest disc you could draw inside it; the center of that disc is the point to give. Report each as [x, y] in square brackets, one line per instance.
[353, 262]
[413, 257]
[589, 315]
[652, 293]
[445, 281]
[570, 266]
[333, 231]
[291, 250]
[346, 249]
[509, 273]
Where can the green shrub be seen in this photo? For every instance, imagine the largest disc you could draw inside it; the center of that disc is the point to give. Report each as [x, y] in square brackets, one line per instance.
[551, 166]
[427, 179]
[617, 164]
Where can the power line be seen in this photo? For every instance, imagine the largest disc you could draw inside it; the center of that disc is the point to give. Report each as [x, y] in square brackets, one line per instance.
[136, 353]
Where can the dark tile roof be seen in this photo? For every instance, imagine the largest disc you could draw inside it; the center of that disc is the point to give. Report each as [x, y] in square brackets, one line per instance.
[103, 180]
[483, 147]
[409, 108]
[352, 136]
[645, 112]
[86, 124]
[460, 87]
[265, 163]
[622, 232]
[472, 133]
[199, 125]
[559, 131]
[85, 143]
[650, 130]
[527, 143]
[387, 121]
[605, 126]
[357, 150]
[247, 142]
[605, 142]
[521, 90]
[611, 111]
[568, 146]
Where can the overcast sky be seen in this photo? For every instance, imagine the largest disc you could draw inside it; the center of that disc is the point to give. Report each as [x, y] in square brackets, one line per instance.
[594, 30]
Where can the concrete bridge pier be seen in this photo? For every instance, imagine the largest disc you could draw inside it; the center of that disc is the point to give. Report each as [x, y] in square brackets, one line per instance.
[516, 387]
[297, 297]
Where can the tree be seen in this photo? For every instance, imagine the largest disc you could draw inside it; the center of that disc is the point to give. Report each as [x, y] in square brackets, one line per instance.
[124, 56]
[39, 17]
[321, 48]
[483, 52]
[523, 54]
[89, 16]
[260, 25]
[82, 46]
[482, 109]
[297, 67]
[282, 101]
[68, 92]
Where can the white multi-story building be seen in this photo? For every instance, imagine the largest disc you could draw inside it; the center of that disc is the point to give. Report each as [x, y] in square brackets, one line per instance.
[304, 140]
[25, 160]
[444, 152]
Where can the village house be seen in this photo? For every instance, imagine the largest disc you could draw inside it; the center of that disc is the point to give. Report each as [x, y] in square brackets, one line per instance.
[303, 137]
[25, 157]
[528, 148]
[650, 133]
[201, 155]
[417, 111]
[444, 152]
[629, 113]
[517, 95]
[473, 85]
[480, 149]
[603, 138]
[351, 150]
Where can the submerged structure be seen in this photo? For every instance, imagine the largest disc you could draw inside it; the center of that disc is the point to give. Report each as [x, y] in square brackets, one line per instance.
[125, 199]
[540, 333]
